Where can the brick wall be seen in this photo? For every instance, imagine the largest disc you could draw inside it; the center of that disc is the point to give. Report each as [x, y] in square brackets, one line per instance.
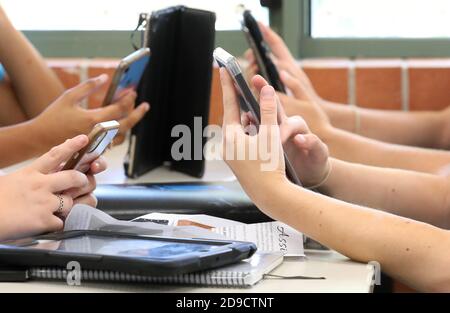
[392, 84]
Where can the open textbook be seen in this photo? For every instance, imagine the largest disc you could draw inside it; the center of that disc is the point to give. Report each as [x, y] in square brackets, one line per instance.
[269, 237]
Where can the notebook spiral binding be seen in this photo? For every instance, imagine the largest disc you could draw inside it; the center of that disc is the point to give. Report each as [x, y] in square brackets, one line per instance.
[209, 278]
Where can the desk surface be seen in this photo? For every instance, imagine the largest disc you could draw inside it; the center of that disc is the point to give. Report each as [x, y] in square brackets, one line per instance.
[215, 170]
[342, 275]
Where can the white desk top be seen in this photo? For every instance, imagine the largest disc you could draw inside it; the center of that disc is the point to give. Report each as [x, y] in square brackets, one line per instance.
[342, 275]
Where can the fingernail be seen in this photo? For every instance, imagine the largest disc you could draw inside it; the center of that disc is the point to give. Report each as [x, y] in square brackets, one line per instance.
[81, 138]
[146, 106]
[102, 78]
[267, 92]
[300, 138]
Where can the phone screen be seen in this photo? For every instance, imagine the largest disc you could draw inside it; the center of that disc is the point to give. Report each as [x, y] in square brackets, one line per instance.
[127, 247]
[132, 76]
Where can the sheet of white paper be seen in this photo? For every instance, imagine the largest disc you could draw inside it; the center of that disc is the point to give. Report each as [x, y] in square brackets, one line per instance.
[83, 217]
[269, 237]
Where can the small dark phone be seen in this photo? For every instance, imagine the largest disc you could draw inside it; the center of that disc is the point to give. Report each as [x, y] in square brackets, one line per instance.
[128, 74]
[99, 139]
[229, 62]
[261, 51]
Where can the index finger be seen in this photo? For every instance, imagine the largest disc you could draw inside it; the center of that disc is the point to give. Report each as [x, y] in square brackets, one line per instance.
[86, 88]
[259, 83]
[51, 161]
[231, 111]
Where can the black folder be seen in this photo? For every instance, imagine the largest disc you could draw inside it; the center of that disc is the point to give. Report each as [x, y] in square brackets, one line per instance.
[177, 84]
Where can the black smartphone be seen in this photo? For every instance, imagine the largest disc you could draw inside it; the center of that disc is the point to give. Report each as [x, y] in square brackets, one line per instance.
[261, 51]
[229, 62]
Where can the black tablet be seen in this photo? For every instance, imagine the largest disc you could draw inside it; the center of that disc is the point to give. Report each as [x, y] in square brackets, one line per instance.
[261, 51]
[133, 254]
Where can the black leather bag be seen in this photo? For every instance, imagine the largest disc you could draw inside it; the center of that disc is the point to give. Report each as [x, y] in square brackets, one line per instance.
[177, 84]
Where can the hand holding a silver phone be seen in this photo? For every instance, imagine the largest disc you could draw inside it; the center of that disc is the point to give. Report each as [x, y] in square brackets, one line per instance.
[304, 156]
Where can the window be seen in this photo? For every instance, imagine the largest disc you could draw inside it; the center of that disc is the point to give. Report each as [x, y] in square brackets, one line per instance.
[113, 14]
[367, 28]
[380, 19]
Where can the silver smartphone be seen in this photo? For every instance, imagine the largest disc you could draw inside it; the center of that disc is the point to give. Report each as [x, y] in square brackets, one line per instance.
[248, 100]
[128, 74]
[99, 139]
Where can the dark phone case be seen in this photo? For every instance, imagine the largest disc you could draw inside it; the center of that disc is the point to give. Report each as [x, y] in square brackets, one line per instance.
[177, 84]
[20, 255]
[262, 50]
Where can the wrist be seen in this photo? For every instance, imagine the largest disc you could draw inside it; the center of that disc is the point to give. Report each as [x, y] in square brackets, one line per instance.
[329, 185]
[265, 194]
[39, 141]
[322, 179]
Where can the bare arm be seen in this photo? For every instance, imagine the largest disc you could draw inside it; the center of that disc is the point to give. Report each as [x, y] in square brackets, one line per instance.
[357, 149]
[20, 142]
[421, 129]
[403, 247]
[354, 148]
[413, 195]
[10, 110]
[34, 84]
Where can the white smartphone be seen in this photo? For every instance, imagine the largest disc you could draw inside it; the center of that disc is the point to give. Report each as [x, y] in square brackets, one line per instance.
[99, 139]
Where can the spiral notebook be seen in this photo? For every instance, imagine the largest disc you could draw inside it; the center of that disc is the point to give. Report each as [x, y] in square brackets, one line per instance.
[243, 274]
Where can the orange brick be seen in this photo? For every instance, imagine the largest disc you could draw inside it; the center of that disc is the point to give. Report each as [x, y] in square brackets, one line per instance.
[216, 105]
[429, 84]
[329, 77]
[68, 70]
[379, 84]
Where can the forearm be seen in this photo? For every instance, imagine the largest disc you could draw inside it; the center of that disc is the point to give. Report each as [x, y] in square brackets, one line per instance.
[403, 247]
[421, 129]
[357, 149]
[19, 143]
[10, 111]
[35, 85]
[414, 195]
